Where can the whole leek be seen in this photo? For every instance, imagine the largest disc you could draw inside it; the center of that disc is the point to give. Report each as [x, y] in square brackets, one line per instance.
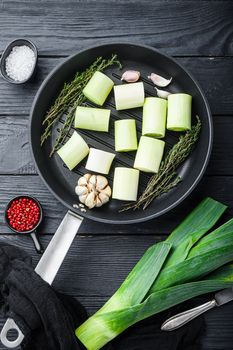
[183, 276]
[101, 328]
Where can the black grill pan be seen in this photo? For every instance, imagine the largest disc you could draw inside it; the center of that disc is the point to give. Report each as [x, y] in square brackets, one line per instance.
[61, 182]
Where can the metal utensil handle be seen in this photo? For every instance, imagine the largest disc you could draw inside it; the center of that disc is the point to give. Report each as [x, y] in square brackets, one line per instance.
[11, 325]
[37, 244]
[181, 319]
[48, 266]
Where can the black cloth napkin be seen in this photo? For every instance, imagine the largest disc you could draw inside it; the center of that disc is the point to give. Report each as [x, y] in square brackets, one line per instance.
[48, 319]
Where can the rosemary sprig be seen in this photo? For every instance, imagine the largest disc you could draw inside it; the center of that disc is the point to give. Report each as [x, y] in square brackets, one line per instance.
[69, 98]
[167, 177]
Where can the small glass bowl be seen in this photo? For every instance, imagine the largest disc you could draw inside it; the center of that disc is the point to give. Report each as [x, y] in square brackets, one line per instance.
[6, 52]
[33, 231]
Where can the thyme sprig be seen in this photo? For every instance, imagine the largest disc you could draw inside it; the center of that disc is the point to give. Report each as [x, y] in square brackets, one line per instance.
[167, 177]
[69, 98]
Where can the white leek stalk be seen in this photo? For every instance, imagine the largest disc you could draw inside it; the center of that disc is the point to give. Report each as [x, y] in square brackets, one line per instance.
[99, 161]
[149, 154]
[125, 184]
[96, 119]
[125, 135]
[129, 95]
[98, 88]
[179, 112]
[154, 117]
[73, 151]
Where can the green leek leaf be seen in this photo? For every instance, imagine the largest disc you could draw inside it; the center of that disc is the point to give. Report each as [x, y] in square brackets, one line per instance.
[222, 235]
[140, 279]
[192, 228]
[193, 268]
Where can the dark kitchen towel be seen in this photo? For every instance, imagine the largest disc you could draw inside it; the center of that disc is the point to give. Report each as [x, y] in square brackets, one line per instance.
[147, 335]
[44, 316]
[48, 319]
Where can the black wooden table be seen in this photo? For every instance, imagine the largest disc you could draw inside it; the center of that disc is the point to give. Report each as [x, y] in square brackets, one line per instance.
[199, 34]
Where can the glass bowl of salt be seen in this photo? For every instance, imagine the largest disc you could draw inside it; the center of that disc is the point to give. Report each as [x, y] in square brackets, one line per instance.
[19, 61]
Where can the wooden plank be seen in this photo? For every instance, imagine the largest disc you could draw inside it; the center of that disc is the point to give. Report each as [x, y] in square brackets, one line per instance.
[95, 267]
[221, 160]
[14, 137]
[17, 99]
[214, 75]
[218, 324]
[179, 27]
[218, 187]
[218, 332]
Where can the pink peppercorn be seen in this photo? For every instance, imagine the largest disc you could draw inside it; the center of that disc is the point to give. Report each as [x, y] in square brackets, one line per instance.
[23, 214]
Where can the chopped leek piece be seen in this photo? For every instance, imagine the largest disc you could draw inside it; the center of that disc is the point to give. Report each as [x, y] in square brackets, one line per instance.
[96, 119]
[73, 151]
[98, 88]
[99, 161]
[129, 95]
[149, 154]
[179, 112]
[154, 117]
[125, 135]
[125, 184]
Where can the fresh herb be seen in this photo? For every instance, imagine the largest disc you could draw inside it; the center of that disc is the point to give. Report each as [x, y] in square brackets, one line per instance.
[167, 178]
[69, 98]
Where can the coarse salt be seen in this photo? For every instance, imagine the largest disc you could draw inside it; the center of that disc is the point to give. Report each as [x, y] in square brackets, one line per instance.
[20, 63]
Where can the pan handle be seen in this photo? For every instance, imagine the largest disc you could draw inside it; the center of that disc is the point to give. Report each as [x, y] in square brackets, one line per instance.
[37, 243]
[48, 266]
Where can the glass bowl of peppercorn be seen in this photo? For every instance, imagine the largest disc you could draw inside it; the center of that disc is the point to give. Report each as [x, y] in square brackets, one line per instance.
[23, 215]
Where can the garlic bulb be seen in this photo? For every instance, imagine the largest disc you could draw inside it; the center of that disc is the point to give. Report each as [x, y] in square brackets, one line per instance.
[131, 76]
[159, 81]
[93, 190]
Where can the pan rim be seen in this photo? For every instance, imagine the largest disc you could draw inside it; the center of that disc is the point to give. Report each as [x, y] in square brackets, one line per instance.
[185, 194]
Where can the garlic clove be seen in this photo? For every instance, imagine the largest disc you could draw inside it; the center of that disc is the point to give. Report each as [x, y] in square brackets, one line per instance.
[82, 198]
[90, 201]
[107, 190]
[103, 197]
[87, 176]
[92, 180]
[101, 182]
[131, 76]
[91, 186]
[82, 181]
[80, 190]
[98, 202]
[159, 81]
[162, 93]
